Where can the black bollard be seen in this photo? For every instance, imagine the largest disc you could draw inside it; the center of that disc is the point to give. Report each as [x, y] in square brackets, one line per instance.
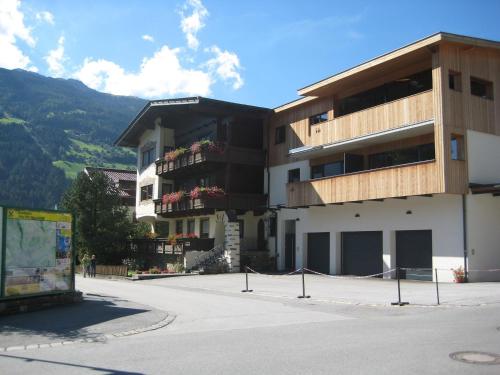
[399, 303]
[437, 285]
[303, 286]
[246, 282]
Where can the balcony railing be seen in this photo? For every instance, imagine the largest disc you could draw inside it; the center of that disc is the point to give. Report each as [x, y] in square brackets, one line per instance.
[187, 206]
[397, 181]
[410, 110]
[232, 154]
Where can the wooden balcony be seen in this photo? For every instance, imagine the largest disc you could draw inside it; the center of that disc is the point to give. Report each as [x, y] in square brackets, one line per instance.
[398, 181]
[207, 205]
[185, 164]
[410, 110]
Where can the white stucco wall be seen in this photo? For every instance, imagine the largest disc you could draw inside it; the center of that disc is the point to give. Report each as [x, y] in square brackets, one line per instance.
[279, 179]
[483, 236]
[442, 214]
[483, 157]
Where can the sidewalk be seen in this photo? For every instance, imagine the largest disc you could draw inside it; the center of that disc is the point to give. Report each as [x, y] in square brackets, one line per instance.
[96, 318]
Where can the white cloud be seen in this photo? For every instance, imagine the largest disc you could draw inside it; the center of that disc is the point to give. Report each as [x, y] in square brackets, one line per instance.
[45, 16]
[159, 76]
[55, 59]
[12, 29]
[225, 65]
[148, 38]
[192, 23]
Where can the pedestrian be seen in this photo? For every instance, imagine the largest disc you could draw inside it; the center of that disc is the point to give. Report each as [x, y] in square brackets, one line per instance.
[85, 261]
[93, 266]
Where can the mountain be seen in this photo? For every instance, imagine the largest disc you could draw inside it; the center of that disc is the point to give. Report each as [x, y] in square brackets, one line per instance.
[50, 128]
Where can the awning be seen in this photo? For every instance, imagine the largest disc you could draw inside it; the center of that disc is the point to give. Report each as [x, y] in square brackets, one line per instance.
[407, 131]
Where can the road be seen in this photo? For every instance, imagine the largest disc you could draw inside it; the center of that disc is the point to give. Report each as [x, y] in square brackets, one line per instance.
[221, 332]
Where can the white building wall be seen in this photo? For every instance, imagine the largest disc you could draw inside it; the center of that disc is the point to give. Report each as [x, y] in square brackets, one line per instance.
[279, 179]
[442, 214]
[483, 157]
[483, 236]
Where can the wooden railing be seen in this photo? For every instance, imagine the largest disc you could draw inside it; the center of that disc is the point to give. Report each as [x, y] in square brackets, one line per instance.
[398, 181]
[409, 110]
[232, 154]
[112, 270]
[235, 201]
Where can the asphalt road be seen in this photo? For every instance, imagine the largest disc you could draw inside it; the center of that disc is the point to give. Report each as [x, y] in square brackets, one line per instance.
[220, 332]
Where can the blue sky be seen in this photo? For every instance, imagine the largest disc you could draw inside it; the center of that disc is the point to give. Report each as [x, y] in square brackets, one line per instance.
[254, 52]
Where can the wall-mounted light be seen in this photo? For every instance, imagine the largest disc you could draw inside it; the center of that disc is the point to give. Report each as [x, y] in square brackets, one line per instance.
[409, 212]
[357, 215]
[297, 219]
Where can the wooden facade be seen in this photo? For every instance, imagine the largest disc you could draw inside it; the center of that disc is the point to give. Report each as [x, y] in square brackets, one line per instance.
[452, 110]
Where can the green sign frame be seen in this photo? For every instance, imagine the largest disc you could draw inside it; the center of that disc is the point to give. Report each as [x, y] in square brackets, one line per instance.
[3, 252]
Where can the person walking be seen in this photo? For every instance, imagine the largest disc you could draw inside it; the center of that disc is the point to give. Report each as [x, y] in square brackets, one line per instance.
[85, 261]
[93, 266]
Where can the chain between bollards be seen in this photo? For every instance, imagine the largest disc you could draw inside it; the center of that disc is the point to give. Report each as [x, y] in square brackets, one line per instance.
[246, 290]
[399, 303]
[303, 286]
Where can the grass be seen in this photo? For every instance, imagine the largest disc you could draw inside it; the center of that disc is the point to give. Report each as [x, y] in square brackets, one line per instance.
[12, 120]
[70, 169]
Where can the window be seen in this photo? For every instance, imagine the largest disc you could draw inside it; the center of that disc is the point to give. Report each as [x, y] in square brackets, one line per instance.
[178, 227]
[457, 147]
[148, 156]
[329, 169]
[204, 228]
[402, 156]
[162, 228]
[319, 118]
[400, 88]
[481, 88]
[242, 228]
[272, 226]
[280, 135]
[146, 192]
[294, 175]
[455, 80]
[205, 181]
[190, 224]
[166, 188]
[167, 149]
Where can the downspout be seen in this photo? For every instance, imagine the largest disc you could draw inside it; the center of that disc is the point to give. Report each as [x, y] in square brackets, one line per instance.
[464, 220]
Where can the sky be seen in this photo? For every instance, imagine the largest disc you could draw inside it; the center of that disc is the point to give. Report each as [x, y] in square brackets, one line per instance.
[253, 52]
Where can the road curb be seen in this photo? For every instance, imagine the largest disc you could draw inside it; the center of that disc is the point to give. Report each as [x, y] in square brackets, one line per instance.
[101, 338]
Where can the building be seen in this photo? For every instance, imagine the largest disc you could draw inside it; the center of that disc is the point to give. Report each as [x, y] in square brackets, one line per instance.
[200, 174]
[382, 165]
[394, 162]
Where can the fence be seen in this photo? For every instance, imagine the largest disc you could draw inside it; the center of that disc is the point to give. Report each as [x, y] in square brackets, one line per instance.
[430, 296]
[121, 270]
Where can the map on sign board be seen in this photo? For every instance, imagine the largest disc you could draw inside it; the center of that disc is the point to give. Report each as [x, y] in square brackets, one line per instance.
[38, 253]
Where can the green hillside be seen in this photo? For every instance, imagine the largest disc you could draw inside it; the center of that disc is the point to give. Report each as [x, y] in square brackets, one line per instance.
[50, 129]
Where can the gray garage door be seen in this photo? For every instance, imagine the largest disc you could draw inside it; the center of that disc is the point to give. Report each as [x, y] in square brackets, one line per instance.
[361, 253]
[414, 250]
[318, 252]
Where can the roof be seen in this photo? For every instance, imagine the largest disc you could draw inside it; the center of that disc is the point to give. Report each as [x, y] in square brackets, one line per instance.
[115, 175]
[485, 189]
[182, 107]
[419, 46]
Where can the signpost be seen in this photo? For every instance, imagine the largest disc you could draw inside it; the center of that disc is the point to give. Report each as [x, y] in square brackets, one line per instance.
[37, 254]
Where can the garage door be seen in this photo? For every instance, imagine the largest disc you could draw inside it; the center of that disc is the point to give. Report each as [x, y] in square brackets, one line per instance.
[318, 252]
[414, 250]
[361, 253]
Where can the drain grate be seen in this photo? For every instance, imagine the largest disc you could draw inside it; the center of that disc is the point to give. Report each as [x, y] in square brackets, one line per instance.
[477, 358]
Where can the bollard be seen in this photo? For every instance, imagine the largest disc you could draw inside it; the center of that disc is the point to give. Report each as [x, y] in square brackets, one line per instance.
[303, 286]
[246, 282]
[437, 285]
[399, 303]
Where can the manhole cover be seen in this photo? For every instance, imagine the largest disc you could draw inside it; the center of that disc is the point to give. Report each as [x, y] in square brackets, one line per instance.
[478, 358]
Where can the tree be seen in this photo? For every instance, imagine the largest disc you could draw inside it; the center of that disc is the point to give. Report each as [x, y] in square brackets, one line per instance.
[101, 221]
